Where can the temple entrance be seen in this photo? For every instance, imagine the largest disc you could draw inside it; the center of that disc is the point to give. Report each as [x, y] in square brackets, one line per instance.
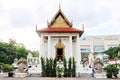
[59, 54]
[59, 50]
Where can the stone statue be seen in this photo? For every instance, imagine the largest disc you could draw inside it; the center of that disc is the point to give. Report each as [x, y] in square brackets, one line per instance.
[98, 64]
[20, 71]
[22, 63]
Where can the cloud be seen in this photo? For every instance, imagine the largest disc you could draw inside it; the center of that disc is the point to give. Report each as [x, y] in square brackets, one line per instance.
[21, 17]
[1, 10]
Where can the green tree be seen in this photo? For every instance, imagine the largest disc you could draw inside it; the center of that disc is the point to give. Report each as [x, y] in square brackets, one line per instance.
[35, 53]
[112, 51]
[7, 52]
[11, 50]
[21, 51]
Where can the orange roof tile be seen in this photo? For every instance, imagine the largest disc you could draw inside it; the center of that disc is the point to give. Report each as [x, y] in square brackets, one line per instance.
[60, 30]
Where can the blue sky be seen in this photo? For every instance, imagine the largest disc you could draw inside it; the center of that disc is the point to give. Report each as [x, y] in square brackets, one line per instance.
[19, 17]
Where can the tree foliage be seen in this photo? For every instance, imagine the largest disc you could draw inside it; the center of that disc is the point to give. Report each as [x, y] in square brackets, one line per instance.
[11, 50]
[35, 53]
[113, 51]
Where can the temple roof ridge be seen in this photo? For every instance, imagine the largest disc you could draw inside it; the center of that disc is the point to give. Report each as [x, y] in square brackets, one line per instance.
[56, 16]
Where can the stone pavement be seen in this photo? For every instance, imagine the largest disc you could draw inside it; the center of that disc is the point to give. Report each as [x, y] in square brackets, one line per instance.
[82, 77]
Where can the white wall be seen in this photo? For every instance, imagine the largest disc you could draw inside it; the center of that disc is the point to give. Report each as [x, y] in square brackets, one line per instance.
[54, 40]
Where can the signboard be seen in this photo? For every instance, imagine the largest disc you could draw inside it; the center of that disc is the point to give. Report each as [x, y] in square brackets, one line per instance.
[85, 49]
[98, 48]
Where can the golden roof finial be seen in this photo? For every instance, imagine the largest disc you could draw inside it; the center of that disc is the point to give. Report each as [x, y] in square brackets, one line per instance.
[83, 27]
[36, 27]
[59, 6]
[47, 23]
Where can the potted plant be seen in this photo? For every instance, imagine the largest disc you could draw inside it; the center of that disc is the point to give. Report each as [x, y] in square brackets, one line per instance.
[8, 68]
[59, 71]
[111, 70]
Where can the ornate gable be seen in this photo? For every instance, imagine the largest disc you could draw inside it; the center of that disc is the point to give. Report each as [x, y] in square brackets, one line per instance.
[59, 20]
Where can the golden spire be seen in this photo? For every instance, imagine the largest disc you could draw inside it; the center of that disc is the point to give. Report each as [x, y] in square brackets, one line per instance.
[36, 27]
[47, 23]
[83, 27]
[59, 6]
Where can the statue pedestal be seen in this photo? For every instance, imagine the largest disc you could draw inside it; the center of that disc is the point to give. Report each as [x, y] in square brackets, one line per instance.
[20, 75]
[100, 75]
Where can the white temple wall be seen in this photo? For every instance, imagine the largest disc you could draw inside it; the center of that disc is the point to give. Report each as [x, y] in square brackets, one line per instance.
[74, 48]
[54, 40]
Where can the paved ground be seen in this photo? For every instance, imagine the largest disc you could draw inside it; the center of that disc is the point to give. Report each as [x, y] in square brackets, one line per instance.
[83, 76]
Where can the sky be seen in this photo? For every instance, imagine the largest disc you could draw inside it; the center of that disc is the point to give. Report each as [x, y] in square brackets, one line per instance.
[18, 18]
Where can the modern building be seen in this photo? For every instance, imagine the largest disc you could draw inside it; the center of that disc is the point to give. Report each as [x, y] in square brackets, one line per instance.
[91, 44]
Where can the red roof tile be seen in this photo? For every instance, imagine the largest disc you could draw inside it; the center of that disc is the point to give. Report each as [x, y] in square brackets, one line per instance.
[51, 30]
[60, 30]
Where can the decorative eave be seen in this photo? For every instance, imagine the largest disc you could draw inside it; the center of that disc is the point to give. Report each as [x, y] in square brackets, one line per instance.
[60, 30]
[60, 24]
[59, 12]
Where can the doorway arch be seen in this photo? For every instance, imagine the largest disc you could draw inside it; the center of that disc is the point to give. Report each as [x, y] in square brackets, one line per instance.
[59, 50]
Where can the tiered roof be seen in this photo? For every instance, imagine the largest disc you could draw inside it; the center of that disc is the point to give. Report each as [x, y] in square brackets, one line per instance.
[60, 24]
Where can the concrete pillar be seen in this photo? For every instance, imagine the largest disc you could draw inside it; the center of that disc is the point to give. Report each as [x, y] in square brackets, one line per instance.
[49, 55]
[70, 45]
[41, 47]
[78, 55]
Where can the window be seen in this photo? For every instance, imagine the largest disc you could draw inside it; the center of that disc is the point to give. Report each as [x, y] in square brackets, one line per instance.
[98, 48]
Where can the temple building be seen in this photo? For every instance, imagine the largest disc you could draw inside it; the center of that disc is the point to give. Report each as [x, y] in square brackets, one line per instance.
[60, 40]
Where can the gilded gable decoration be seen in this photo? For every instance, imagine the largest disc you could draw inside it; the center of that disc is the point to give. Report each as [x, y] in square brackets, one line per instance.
[59, 20]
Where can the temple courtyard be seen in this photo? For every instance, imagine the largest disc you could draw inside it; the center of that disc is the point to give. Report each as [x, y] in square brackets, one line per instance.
[36, 77]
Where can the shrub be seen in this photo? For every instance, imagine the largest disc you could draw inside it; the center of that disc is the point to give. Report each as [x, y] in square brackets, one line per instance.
[73, 67]
[65, 67]
[43, 67]
[59, 70]
[111, 69]
[69, 67]
[54, 68]
[7, 68]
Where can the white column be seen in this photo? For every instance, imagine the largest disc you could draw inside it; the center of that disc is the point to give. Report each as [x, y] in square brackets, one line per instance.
[49, 55]
[70, 46]
[78, 55]
[41, 47]
[91, 48]
[78, 52]
[41, 54]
